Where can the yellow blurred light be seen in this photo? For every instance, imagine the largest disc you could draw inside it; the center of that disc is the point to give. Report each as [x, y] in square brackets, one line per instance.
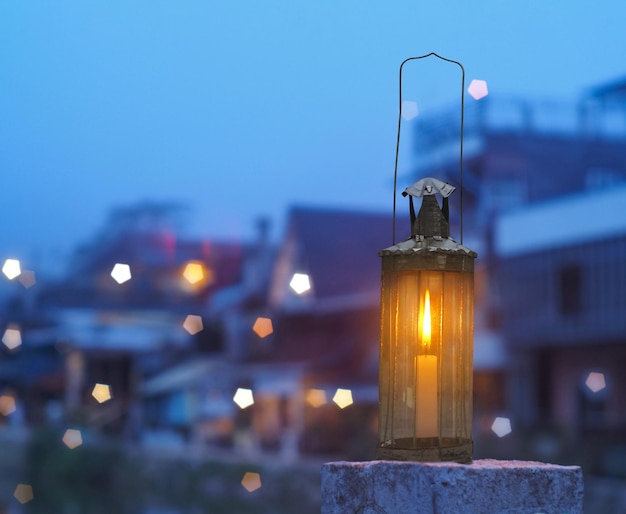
[478, 89]
[72, 438]
[595, 381]
[300, 283]
[11, 268]
[121, 273]
[101, 392]
[7, 404]
[251, 481]
[263, 327]
[243, 398]
[27, 278]
[193, 324]
[12, 337]
[343, 398]
[316, 397]
[23, 493]
[195, 272]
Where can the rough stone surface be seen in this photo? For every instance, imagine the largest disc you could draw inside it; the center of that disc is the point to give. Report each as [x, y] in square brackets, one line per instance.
[483, 487]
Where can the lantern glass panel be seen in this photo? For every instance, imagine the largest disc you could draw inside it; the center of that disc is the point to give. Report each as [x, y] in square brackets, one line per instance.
[426, 365]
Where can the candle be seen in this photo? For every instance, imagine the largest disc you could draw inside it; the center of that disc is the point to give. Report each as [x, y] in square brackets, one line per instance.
[427, 415]
[427, 420]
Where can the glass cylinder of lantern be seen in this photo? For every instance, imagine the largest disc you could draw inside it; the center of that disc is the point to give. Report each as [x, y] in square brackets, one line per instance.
[426, 342]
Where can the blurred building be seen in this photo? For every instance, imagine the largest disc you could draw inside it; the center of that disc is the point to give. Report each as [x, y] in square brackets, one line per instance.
[536, 288]
[118, 316]
[562, 291]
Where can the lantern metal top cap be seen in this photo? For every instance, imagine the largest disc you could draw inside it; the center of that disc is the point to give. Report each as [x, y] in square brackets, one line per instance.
[429, 186]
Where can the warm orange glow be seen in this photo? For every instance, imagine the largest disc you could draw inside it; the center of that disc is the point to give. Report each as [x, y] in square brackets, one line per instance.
[194, 272]
[7, 404]
[426, 327]
[316, 397]
[251, 481]
[263, 327]
[101, 392]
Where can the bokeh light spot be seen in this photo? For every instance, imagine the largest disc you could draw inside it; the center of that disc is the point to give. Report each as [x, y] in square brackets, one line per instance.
[7, 404]
[409, 110]
[343, 398]
[263, 327]
[243, 398]
[195, 272]
[27, 278]
[501, 426]
[193, 324]
[72, 438]
[316, 397]
[300, 283]
[11, 268]
[101, 392]
[23, 493]
[478, 89]
[121, 273]
[12, 337]
[251, 481]
[595, 381]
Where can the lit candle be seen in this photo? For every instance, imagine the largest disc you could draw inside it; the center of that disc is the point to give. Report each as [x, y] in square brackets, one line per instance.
[427, 415]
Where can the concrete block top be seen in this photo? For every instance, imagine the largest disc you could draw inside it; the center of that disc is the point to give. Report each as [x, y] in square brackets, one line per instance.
[484, 486]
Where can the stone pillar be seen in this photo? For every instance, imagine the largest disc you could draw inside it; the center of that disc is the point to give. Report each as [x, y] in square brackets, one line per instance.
[483, 487]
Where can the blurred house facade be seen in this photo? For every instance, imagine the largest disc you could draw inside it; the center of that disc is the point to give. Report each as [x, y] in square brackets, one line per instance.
[100, 331]
[530, 307]
[562, 288]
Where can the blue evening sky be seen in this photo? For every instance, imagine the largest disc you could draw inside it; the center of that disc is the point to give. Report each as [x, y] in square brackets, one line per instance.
[242, 108]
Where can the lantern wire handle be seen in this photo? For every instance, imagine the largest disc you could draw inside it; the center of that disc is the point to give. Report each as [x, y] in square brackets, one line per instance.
[395, 171]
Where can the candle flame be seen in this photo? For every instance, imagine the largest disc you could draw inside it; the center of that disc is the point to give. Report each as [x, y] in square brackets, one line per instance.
[426, 330]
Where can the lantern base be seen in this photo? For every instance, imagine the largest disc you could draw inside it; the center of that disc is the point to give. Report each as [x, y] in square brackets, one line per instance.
[428, 449]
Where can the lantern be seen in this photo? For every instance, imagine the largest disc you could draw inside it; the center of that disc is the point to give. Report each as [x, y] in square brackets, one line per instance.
[426, 339]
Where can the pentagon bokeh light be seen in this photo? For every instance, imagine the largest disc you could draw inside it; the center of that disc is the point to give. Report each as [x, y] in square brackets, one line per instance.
[23, 493]
[243, 398]
[12, 337]
[193, 324]
[501, 426]
[409, 110]
[478, 89]
[595, 381]
[251, 481]
[72, 438]
[195, 272]
[27, 278]
[121, 273]
[300, 283]
[343, 398]
[11, 268]
[101, 392]
[263, 327]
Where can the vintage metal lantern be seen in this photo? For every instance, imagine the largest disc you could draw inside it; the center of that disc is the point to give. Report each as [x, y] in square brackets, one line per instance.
[426, 339]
